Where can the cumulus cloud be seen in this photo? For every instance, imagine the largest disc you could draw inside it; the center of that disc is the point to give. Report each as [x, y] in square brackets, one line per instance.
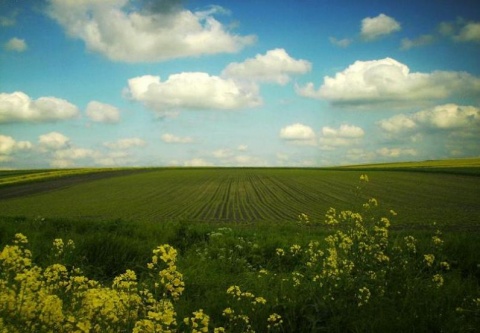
[19, 107]
[231, 157]
[469, 33]
[104, 113]
[298, 134]
[442, 117]
[196, 162]
[15, 45]
[396, 152]
[73, 156]
[345, 42]
[422, 40]
[222, 153]
[389, 82]
[121, 31]
[242, 148]
[192, 90]
[398, 123]
[9, 146]
[53, 141]
[461, 30]
[375, 27]
[345, 135]
[125, 143]
[170, 138]
[275, 66]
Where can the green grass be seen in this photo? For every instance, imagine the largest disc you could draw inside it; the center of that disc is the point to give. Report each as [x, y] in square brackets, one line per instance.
[469, 166]
[15, 177]
[116, 222]
[255, 195]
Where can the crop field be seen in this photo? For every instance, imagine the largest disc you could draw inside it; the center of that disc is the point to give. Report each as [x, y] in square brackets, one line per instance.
[250, 195]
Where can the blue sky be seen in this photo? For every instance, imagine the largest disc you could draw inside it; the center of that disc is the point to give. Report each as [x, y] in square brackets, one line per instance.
[237, 83]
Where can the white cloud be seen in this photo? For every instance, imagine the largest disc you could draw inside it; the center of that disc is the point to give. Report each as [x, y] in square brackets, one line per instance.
[196, 162]
[274, 66]
[125, 143]
[345, 42]
[100, 112]
[74, 153]
[396, 152]
[375, 27]
[441, 117]
[389, 82]
[9, 146]
[397, 123]
[18, 107]
[53, 141]
[170, 138]
[242, 148]
[298, 133]
[345, 131]
[422, 40]
[192, 90]
[222, 153]
[449, 116]
[122, 32]
[469, 33]
[345, 135]
[247, 160]
[6, 21]
[451, 127]
[461, 30]
[15, 45]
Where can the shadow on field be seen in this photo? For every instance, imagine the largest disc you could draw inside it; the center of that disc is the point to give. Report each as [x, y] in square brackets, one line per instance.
[47, 185]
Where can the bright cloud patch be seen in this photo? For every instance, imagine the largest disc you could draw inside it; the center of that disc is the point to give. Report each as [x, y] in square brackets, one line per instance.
[196, 162]
[389, 82]
[104, 113]
[469, 33]
[192, 90]
[15, 45]
[461, 31]
[170, 138]
[274, 66]
[422, 40]
[298, 133]
[375, 27]
[126, 143]
[345, 42]
[396, 152]
[8, 146]
[18, 107]
[132, 35]
[53, 141]
[345, 135]
[446, 117]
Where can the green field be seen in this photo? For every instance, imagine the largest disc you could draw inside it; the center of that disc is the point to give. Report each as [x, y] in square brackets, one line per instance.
[253, 195]
[248, 262]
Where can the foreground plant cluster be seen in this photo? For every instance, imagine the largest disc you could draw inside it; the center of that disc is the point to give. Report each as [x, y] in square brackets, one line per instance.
[358, 278]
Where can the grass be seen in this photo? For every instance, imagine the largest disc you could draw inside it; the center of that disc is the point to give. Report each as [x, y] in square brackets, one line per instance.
[256, 195]
[229, 224]
[15, 177]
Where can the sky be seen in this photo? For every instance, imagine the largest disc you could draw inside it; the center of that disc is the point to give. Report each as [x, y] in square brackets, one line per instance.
[297, 83]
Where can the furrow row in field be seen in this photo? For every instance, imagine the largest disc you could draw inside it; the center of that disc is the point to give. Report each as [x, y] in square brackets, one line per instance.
[206, 200]
[187, 200]
[271, 205]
